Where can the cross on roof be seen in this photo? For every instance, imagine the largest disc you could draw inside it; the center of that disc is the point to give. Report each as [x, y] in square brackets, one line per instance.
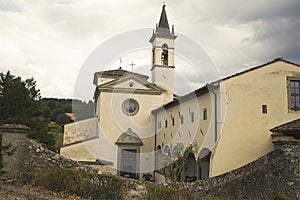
[132, 64]
[120, 63]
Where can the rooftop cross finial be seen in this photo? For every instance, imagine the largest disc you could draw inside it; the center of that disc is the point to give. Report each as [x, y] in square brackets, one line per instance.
[132, 64]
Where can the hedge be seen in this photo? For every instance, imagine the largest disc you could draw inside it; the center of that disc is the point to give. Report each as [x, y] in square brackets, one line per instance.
[83, 184]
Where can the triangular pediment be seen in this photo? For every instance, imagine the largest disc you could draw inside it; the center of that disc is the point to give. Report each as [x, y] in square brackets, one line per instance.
[130, 84]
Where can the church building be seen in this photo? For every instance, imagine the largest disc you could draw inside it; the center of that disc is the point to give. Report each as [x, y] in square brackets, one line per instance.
[229, 120]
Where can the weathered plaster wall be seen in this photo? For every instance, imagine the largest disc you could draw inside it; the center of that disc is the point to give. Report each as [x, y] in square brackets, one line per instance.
[81, 130]
[245, 135]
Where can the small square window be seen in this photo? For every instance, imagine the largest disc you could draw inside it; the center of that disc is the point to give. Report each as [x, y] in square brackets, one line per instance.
[205, 114]
[264, 109]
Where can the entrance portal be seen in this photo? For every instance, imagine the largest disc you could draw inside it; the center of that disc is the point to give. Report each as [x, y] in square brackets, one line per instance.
[129, 154]
[128, 163]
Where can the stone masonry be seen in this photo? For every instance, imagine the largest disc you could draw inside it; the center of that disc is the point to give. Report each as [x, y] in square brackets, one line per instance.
[274, 173]
[27, 156]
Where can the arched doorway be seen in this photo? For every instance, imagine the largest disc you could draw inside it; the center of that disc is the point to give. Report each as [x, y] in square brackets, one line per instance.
[204, 164]
[129, 154]
[158, 158]
[190, 168]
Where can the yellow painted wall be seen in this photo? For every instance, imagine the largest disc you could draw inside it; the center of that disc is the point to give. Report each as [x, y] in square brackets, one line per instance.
[245, 135]
[200, 130]
[78, 131]
[113, 122]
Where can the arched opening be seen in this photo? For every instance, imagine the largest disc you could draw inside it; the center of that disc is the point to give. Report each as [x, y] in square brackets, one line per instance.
[204, 157]
[164, 55]
[190, 169]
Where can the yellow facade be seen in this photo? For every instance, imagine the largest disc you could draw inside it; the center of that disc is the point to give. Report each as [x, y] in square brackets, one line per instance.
[236, 130]
[229, 119]
[245, 134]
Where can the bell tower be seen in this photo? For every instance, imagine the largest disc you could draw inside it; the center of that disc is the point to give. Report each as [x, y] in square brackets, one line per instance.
[163, 53]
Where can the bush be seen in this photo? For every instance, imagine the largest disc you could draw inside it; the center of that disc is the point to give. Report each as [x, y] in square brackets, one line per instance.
[162, 193]
[280, 196]
[83, 184]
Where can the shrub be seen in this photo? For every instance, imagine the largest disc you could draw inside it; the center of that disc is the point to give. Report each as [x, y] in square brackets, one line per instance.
[162, 193]
[280, 196]
[84, 184]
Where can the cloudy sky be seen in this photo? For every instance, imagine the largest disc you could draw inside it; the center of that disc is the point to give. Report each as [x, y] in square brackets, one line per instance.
[50, 40]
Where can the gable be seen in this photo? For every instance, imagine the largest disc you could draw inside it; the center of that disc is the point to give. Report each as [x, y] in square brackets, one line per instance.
[269, 64]
[130, 84]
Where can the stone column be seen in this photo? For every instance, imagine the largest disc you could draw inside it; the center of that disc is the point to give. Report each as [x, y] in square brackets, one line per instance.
[13, 151]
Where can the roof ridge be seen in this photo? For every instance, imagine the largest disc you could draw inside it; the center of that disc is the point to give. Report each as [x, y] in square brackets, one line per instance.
[256, 67]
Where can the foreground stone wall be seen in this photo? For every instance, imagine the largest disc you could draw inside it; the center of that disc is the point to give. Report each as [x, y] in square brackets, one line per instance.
[24, 156]
[13, 150]
[274, 173]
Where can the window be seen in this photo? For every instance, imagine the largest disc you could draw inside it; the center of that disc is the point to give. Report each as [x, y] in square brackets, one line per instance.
[264, 109]
[164, 55]
[205, 114]
[294, 94]
[173, 121]
[130, 107]
[153, 55]
[166, 123]
[159, 124]
[181, 119]
[192, 116]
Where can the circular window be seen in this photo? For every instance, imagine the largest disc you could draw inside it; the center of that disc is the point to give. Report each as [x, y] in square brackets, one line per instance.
[130, 107]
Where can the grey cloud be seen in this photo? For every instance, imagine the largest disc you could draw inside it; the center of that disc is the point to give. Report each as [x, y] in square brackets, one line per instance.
[7, 5]
[59, 34]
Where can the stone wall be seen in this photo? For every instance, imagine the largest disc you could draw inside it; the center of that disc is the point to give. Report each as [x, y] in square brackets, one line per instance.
[274, 173]
[27, 156]
[13, 149]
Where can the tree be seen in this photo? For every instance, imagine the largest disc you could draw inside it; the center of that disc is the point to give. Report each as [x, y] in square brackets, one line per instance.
[19, 103]
[31, 87]
[14, 99]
